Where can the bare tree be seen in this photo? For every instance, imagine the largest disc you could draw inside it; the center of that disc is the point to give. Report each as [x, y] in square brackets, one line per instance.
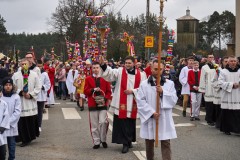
[71, 13]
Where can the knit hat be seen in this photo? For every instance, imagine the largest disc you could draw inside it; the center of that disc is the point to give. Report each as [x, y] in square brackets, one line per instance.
[7, 80]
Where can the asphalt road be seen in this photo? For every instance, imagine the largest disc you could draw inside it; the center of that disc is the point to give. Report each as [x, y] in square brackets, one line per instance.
[66, 136]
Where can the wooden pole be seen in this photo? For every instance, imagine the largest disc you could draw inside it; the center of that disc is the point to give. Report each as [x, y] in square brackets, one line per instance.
[161, 19]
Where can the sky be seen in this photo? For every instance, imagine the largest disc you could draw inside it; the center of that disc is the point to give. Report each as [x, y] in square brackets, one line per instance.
[31, 16]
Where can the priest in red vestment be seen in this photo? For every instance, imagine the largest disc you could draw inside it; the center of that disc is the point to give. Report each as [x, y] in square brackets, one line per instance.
[123, 104]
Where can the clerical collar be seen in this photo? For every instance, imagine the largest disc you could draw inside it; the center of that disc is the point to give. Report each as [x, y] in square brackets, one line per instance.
[196, 70]
[131, 71]
[94, 75]
[210, 65]
[42, 70]
[152, 80]
[232, 70]
[32, 67]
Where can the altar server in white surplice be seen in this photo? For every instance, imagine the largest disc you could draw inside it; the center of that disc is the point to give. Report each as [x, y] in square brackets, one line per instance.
[123, 104]
[230, 103]
[207, 74]
[146, 103]
[14, 109]
[42, 96]
[4, 124]
[183, 79]
[217, 91]
[72, 75]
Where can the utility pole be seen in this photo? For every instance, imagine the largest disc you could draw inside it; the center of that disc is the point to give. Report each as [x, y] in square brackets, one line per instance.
[147, 28]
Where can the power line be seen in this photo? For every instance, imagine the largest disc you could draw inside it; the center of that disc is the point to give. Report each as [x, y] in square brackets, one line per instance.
[123, 6]
[119, 5]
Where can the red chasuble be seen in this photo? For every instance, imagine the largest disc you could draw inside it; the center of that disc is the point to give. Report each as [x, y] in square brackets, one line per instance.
[123, 96]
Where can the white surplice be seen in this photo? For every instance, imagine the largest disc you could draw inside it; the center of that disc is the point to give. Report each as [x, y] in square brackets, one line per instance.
[69, 81]
[217, 92]
[46, 84]
[29, 106]
[205, 85]
[230, 97]
[146, 103]
[14, 110]
[183, 79]
[4, 120]
[112, 75]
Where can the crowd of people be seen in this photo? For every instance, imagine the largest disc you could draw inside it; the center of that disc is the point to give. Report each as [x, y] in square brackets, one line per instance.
[125, 88]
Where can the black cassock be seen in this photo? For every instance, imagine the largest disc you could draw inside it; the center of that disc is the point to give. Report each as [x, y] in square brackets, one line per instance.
[124, 130]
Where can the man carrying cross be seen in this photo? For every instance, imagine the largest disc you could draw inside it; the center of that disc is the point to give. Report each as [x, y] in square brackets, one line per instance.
[146, 102]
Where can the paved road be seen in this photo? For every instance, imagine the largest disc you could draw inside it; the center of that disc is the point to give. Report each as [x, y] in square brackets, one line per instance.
[66, 136]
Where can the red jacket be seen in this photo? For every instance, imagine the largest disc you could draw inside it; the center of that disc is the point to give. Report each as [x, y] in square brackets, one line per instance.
[51, 73]
[192, 80]
[89, 88]
[148, 71]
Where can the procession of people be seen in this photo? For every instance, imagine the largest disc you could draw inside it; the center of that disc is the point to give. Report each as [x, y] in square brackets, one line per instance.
[127, 89]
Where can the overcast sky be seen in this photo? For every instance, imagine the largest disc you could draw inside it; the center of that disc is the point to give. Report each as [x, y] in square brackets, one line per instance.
[31, 16]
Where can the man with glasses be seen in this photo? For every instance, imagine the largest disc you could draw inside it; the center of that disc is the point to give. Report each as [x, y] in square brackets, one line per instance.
[28, 87]
[32, 65]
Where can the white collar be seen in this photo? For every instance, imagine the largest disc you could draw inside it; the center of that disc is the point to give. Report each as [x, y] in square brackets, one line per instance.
[94, 75]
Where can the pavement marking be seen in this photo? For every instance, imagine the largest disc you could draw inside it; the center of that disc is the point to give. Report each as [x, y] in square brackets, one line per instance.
[188, 110]
[143, 153]
[70, 113]
[139, 155]
[204, 123]
[110, 116]
[71, 102]
[57, 103]
[110, 127]
[175, 115]
[45, 115]
[184, 125]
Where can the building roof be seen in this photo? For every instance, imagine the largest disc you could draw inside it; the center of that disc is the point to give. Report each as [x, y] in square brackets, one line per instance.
[187, 16]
